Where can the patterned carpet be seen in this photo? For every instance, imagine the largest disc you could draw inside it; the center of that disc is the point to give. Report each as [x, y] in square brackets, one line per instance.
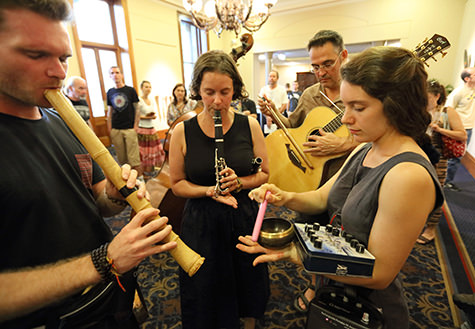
[423, 283]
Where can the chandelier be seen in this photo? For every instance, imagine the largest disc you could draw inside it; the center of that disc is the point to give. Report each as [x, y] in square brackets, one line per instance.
[229, 14]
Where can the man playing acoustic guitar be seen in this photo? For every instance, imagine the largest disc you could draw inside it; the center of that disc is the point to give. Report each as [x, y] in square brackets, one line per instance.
[327, 53]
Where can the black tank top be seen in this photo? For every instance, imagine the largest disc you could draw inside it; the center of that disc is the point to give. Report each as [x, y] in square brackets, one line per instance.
[199, 158]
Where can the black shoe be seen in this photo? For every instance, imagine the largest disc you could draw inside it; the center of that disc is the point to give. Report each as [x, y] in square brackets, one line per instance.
[452, 187]
[466, 302]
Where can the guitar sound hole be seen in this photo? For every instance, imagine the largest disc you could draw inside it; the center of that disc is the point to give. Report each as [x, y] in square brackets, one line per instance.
[314, 132]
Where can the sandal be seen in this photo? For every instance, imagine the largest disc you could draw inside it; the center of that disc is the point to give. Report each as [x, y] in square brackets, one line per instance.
[301, 296]
[423, 240]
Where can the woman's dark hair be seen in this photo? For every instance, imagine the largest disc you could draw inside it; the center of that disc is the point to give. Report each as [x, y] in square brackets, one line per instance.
[216, 61]
[185, 99]
[397, 78]
[435, 88]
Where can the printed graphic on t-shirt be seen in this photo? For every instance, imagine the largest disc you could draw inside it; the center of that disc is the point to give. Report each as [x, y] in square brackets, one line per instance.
[85, 166]
[119, 102]
[83, 111]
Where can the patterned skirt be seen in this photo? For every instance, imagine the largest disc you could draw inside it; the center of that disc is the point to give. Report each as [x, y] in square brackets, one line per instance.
[151, 150]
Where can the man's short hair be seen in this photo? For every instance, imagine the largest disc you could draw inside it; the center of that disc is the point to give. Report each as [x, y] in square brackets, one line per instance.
[70, 82]
[114, 67]
[58, 10]
[276, 73]
[324, 36]
[466, 73]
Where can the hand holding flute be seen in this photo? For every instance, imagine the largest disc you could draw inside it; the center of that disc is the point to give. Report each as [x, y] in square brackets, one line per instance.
[186, 257]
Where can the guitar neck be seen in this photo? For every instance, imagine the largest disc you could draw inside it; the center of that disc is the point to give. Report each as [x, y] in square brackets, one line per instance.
[275, 117]
[334, 124]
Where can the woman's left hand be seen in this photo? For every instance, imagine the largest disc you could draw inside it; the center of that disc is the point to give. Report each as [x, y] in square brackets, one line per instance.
[435, 127]
[225, 198]
[270, 255]
[229, 182]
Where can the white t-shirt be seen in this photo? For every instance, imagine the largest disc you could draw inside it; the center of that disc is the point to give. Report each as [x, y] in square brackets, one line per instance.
[278, 95]
[144, 109]
[462, 99]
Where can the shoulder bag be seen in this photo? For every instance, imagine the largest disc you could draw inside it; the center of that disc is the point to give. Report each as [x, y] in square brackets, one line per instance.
[451, 148]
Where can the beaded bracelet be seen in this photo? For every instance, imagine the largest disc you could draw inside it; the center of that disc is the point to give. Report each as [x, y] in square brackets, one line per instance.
[105, 265]
[99, 259]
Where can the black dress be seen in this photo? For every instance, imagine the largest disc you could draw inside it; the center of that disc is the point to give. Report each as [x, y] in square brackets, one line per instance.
[227, 286]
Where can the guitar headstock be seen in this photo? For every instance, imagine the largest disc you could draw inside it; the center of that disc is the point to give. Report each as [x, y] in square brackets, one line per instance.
[429, 48]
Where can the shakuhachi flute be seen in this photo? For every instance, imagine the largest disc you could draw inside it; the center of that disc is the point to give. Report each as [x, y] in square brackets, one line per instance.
[189, 260]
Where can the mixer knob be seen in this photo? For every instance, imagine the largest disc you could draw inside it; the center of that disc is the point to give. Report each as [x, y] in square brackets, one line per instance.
[313, 237]
[310, 232]
[329, 228]
[360, 248]
[318, 244]
[336, 231]
[348, 237]
[306, 228]
[316, 226]
[353, 243]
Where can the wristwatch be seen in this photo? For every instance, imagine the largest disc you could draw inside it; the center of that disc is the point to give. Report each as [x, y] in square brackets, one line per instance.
[239, 187]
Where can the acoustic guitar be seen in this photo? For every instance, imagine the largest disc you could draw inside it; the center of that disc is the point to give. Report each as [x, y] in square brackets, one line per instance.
[293, 170]
[289, 168]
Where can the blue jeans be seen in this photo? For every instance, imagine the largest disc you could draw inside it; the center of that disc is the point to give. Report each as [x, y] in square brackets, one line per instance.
[454, 163]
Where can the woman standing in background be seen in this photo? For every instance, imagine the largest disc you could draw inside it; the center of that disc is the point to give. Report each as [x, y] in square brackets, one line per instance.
[436, 96]
[151, 150]
[180, 104]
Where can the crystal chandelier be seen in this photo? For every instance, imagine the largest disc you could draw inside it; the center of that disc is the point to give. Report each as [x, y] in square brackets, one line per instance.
[229, 14]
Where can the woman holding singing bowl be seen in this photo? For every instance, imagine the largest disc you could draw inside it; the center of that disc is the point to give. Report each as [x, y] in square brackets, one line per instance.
[218, 210]
[387, 188]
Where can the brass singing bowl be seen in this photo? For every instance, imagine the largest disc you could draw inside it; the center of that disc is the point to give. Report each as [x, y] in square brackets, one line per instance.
[276, 233]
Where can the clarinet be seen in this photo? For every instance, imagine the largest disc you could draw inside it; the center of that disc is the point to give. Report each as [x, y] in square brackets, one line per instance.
[219, 161]
[256, 164]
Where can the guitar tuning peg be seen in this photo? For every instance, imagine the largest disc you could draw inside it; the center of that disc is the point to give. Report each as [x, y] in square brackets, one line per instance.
[435, 59]
[443, 54]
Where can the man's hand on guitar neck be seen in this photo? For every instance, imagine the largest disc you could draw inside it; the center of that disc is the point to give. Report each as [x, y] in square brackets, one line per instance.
[328, 144]
[266, 106]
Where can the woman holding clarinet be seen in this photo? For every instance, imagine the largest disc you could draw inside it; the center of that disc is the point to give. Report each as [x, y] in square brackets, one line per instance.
[212, 158]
